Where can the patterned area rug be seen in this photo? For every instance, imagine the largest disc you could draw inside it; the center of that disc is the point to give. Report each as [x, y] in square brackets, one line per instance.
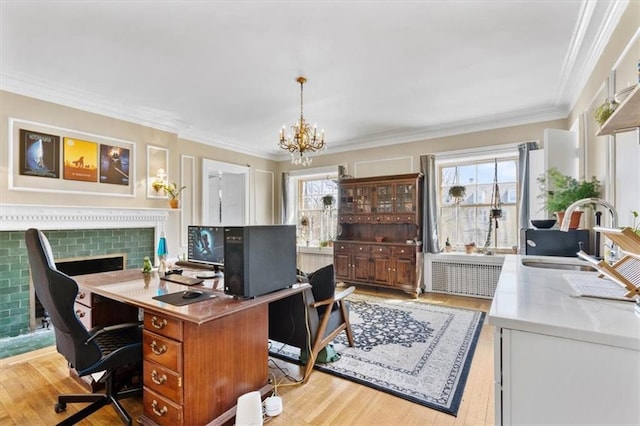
[417, 351]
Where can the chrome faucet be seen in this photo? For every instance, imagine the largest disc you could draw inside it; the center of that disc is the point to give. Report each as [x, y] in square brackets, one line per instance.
[613, 250]
[567, 214]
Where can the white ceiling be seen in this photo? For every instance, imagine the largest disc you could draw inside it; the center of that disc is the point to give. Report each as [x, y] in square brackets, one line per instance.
[380, 72]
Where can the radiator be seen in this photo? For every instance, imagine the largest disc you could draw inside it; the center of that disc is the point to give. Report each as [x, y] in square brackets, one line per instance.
[465, 275]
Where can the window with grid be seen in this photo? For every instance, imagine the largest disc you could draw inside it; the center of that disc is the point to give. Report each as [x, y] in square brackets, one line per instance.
[317, 219]
[468, 220]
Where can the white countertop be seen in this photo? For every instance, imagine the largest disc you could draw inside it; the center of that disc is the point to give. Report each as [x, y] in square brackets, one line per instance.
[540, 300]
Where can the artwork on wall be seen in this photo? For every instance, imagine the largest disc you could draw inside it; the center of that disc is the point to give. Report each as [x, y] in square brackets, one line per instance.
[90, 163]
[80, 160]
[114, 164]
[39, 154]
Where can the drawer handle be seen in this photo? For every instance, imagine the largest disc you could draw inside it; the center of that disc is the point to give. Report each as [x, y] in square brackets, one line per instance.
[158, 380]
[158, 324]
[80, 314]
[81, 295]
[158, 351]
[159, 413]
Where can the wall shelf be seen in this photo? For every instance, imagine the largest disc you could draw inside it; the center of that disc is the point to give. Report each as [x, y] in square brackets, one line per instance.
[625, 117]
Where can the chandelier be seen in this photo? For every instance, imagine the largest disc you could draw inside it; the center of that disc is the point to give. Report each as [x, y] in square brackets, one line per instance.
[305, 140]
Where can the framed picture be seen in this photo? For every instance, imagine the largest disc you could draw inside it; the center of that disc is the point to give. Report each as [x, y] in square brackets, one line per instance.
[39, 154]
[80, 160]
[114, 164]
[157, 171]
[72, 161]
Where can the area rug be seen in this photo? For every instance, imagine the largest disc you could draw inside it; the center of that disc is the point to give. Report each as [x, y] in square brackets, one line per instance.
[417, 351]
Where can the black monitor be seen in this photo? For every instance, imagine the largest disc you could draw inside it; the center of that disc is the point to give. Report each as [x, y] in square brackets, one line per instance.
[206, 245]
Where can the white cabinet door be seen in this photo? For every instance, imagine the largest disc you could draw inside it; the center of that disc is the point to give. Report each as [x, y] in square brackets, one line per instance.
[551, 380]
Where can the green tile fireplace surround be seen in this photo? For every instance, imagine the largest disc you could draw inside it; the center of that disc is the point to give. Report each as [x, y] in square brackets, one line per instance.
[14, 265]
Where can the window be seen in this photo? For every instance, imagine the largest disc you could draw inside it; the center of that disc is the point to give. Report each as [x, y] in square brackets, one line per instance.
[316, 210]
[467, 219]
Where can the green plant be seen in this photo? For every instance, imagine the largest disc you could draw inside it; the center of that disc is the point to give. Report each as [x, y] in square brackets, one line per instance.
[636, 225]
[173, 190]
[604, 111]
[327, 202]
[457, 192]
[558, 191]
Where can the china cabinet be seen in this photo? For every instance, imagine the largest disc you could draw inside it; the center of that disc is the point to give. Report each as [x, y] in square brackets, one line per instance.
[379, 232]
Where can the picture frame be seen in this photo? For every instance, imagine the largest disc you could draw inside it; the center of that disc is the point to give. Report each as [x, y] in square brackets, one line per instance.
[39, 154]
[157, 171]
[25, 176]
[80, 159]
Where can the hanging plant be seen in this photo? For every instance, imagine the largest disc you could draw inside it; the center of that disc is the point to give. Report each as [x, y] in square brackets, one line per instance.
[327, 202]
[457, 192]
[604, 111]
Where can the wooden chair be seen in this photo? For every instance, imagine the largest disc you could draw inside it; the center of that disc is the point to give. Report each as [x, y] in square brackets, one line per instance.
[319, 310]
[109, 349]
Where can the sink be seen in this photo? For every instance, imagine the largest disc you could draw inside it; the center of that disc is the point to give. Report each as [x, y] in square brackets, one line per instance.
[564, 265]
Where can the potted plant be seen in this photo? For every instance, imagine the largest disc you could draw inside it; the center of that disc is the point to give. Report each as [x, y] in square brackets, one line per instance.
[457, 192]
[559, 191]
[470, 247]
[327, 202]
[447, 245]
[604, 111]
[174, 192]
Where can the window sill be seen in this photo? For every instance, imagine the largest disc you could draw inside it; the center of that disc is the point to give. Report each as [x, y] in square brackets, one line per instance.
[315, 250]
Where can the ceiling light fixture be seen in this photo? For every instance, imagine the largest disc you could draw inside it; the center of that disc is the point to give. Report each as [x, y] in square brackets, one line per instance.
[305, 140]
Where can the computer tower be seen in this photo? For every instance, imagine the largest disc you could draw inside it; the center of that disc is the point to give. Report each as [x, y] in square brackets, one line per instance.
[259, 259]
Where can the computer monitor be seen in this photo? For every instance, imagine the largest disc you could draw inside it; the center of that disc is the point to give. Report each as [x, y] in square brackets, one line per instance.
[206, 245]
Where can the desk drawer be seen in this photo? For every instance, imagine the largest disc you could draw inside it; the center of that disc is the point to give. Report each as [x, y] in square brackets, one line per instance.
[163, 325]
[164, 351]
[84, 315]
[162, 380]
[160, 409]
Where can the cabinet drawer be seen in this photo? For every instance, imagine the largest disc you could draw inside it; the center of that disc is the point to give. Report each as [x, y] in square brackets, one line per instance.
[386, 250]
[364, 218]
[160, 409]
[361, 248]
[162, 350]
[163, 325]
[84, 315]
[342, 248]
[404, 218]
[162, 380]
[403, 251]
[84, 297]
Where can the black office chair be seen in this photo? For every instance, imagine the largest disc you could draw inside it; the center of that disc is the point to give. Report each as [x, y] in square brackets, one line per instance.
[117, 347]
[326, 314]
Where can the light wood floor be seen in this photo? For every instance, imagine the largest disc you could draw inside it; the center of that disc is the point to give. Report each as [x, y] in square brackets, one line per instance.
[29, 384]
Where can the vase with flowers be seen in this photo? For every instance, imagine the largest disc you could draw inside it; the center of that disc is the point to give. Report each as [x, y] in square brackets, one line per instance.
[173, 190]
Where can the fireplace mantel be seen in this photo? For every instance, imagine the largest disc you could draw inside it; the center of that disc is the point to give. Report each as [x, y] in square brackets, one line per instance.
[15, 217]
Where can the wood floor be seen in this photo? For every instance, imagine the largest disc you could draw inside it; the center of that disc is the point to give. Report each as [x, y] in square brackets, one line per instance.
[30, 382]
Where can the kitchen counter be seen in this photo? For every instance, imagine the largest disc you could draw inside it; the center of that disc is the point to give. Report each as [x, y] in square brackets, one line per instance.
[560, 358]
[541, 301]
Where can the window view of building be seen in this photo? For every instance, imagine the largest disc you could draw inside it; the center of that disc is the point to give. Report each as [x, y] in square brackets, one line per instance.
[465, 217]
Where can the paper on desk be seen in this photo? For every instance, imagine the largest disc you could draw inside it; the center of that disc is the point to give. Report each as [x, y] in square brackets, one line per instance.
[593, 286]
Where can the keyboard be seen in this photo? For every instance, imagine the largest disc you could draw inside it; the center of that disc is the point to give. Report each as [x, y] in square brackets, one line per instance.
[182, 279]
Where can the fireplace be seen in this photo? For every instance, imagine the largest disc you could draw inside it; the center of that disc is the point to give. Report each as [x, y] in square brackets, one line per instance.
[74, 233]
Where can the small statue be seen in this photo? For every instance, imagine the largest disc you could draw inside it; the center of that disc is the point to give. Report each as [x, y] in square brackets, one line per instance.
[146, 265]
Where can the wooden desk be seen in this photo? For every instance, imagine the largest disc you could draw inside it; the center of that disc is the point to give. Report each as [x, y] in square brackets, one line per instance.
[198, 358]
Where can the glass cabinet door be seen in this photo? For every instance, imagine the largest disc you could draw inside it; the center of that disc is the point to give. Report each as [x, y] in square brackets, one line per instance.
[404, 198]
[384, 199]
[345, 203]
[364, 199]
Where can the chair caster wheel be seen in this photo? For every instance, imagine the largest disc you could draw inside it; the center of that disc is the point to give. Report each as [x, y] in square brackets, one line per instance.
[60, 407]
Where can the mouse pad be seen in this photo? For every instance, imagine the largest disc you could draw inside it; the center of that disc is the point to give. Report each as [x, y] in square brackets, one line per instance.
[176, 299]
